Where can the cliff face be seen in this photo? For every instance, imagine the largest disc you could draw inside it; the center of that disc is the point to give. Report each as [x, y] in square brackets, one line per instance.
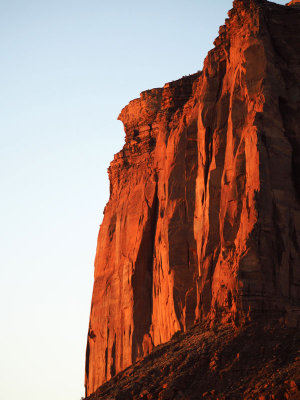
[203, 221]
[294, 3]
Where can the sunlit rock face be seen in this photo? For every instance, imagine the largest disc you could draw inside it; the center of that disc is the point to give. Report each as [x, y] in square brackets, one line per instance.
[203, 220]
[294, 3]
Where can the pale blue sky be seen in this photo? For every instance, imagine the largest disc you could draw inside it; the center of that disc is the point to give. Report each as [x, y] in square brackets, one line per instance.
[67, 68]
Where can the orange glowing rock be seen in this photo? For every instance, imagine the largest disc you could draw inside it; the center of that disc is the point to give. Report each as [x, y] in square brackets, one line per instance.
[203, 220]
[294, 3]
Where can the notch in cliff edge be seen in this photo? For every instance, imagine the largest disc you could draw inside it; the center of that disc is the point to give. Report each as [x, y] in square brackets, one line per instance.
[203, 220]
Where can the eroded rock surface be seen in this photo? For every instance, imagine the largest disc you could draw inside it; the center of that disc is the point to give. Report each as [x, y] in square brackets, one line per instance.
[203, 221]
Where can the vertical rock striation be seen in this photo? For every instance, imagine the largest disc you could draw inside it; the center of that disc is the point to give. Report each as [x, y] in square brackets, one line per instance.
[203, 220]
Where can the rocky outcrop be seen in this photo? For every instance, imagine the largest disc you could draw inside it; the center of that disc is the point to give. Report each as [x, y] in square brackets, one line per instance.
[203, 221]
[259, 360]
[294, 3]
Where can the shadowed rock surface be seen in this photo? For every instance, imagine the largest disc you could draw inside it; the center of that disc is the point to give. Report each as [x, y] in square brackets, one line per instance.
[203, 220]
[258, 361]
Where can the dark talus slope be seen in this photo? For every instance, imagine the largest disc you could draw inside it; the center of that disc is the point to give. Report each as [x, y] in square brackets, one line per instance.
[260, 360]
[203, 221]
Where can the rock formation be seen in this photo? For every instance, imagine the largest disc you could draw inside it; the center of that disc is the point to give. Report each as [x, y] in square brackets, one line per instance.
[259, 360]
[203, 220]
[294, 3]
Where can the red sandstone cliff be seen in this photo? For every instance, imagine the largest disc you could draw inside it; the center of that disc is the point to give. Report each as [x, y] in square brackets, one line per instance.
[294, 3]
[203, 220]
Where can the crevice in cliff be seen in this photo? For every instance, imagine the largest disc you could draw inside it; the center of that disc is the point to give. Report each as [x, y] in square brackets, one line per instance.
[87, 365]
[222, 72]
[142, 281]
[113, 357]
[191, 169]
[208, 153]
[106, 353]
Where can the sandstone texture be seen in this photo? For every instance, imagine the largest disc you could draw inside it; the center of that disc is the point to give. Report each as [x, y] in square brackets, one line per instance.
[203, 220]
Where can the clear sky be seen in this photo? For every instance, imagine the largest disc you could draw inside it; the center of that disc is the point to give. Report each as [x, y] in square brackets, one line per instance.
[67, 68]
